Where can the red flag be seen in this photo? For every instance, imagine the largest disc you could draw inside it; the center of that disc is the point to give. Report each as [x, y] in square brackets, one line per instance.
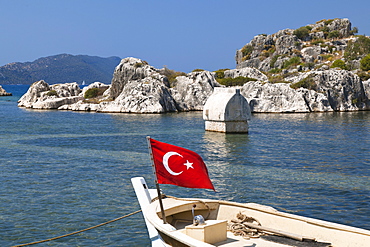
[179, 166]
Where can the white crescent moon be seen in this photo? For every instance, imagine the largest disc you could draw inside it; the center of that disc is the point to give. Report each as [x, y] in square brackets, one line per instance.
[166, 157]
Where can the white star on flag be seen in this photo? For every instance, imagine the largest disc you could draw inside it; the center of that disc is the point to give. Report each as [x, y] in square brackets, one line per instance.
[188, 165]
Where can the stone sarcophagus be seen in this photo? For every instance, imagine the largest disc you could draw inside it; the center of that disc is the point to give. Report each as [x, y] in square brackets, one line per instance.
[226, 110]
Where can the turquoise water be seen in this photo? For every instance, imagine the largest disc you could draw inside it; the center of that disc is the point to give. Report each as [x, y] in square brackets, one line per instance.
[63, 171]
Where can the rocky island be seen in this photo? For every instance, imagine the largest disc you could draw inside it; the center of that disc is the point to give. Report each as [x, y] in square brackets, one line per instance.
[320, 67]
[3, 92]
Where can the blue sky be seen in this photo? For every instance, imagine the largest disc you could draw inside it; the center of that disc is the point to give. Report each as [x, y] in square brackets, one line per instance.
[182, 35]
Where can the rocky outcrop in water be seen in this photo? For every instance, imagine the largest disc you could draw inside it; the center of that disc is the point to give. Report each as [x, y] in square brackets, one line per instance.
[334, 90]
[136, 87]
[290, 71]
[41, 95]
[3, 92]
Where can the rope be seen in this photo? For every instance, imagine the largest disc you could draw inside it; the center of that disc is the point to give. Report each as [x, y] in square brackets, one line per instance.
[84, 230]
[239, 229]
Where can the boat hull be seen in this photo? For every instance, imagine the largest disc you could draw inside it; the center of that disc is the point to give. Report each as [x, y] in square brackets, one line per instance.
[281, 228]
[178, 214]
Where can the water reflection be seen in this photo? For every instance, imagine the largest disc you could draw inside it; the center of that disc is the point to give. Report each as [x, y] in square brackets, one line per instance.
[225, 146]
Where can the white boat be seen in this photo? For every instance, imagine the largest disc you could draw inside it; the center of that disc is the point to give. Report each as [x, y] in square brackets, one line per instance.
[257, 225]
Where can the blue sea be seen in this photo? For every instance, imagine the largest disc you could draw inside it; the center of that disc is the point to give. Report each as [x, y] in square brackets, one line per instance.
[63, 171]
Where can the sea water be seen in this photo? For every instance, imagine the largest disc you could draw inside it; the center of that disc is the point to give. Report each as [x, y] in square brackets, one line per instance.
[63, 171]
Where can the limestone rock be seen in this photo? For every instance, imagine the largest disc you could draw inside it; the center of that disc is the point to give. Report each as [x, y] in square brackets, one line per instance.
[130, 69]
[285, 44]
[341, 25]
[3, 92]
[273, 98]
[266, 52]
[147, 95]
[138, 87]
[191, 91]
[42, 96]
[316, 102]
[55, 103]
[335, 90]
[246, 72]
[366, 85]
[343, 89]
[33, 93]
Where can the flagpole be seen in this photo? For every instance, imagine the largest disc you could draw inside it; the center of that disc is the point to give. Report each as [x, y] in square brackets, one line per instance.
[156, 181]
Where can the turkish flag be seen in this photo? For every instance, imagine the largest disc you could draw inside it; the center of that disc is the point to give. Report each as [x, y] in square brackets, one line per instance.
[179, 166]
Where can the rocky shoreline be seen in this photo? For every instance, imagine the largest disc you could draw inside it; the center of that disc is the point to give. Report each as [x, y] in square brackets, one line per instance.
[271, 83]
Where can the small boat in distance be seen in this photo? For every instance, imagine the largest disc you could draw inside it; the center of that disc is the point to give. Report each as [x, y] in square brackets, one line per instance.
[206, 223]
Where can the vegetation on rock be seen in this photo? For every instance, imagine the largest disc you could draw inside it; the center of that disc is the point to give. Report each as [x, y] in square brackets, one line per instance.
[339, 63]
[302, 32]
[357, 49]
[220, 74]
[94, 95]
[307, 82]
[365, 63]
[171, 75]
[52, 93]
[329, 43]
[231, 82]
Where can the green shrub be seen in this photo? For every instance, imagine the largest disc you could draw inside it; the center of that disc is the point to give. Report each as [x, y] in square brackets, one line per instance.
[317, 42]
[137, 65]
[220, 74]
[94, 92]
[365, 63]
[292, 62]
[338, 64]
[275, 71]
[307, 82]
[324, 29]
[198, 70]
[52, 93]
[171, 75]
[354, 31]
[364, 76]
[328, 21]
[327, 57]
[247, 50]
[91, 93]
[277, 79]
[302, 32]
[273, 60]
[238, 81]
[357, 49]
[334, 34]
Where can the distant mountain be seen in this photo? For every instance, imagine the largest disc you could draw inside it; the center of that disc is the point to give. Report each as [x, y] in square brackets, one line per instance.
[61, 68]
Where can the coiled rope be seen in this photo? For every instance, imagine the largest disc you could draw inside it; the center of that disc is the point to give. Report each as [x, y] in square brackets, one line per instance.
[240, 226]
[84, 230]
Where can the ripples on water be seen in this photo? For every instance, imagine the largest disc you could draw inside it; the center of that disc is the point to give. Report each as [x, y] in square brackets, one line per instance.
[63, 171]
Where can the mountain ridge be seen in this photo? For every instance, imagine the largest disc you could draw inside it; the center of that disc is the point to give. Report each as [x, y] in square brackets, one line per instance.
[61, 68]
